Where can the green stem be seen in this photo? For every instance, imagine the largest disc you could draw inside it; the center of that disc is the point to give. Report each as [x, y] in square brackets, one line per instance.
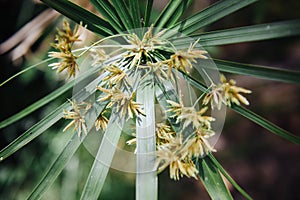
[146, 177]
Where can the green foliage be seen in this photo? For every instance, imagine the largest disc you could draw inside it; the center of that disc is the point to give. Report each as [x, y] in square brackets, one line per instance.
[118, 16]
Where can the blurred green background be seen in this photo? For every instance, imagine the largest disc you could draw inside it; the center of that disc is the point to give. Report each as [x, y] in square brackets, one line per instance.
[266, 166]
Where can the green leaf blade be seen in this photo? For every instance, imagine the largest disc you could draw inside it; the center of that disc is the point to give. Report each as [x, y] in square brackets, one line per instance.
[103, 159]
[212, 180]
[250, 33]
[78, 14]
[228, 177]
[209, 15]
[56, 168]
[66, 154]
[266, 124]
[147, 13]
[134, 7]
[146, 174]
[109, 13]
[38, 104]
[268, 73]
[33, 132]
[124, 14]
[167, 14]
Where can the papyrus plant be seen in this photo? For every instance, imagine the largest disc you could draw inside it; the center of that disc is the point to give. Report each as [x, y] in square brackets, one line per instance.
[138, 63]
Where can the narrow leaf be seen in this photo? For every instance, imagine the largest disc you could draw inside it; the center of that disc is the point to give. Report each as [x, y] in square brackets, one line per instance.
[38, 104]
[135, 11]
[109, 13]
[25, 70]
[48, 121]
[178, 13]
[266, 124]
[228, 177]
[56, 168]
[124, 14]
[78, 14]
[212, 180]
[146, 174]
[148, 10]
[49, 98]
[250, 33]
[34, 131]
[167, 13]
[103, 159]
[65, 155]
[87, 75]
[164, 92]
[269, 73]
[209, 15]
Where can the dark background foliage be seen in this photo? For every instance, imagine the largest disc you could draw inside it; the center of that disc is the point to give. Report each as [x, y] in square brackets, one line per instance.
[265, 165]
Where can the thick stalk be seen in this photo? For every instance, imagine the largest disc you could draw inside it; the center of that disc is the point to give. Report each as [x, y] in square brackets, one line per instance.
[146, 176]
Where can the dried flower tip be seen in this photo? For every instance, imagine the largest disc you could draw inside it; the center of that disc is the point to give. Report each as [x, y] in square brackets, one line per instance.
[164, 133]
[101, 122]
[138, 47]
[179, 168]
[170, 155]
[78, 120]
[231, 92]
[175, 108]
[67, 34]
[65, 39]
[189, 115]
[124, 103]
[117, 76]
[158, 70]
[131, 141]
[68, 61]
[182, 60]
[197, 146]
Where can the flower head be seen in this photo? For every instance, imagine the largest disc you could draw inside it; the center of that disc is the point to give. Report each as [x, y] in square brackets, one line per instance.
[140, 48]
[64, 42]
[164, 133]
[170, 155]
[77, 117]
[67, 61]
[157, 70]
[123, 102]
[215, 97]
[101, 121]
[117, 76]
[190, 116]
[226, 92]
[182, 60]
[67, 34]
[197, 145]
[232, 92]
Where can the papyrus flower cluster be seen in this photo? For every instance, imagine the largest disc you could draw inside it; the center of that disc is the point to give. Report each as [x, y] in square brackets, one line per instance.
[184, 136]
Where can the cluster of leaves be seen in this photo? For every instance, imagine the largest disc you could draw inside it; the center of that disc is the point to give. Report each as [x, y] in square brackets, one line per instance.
[121, 16]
